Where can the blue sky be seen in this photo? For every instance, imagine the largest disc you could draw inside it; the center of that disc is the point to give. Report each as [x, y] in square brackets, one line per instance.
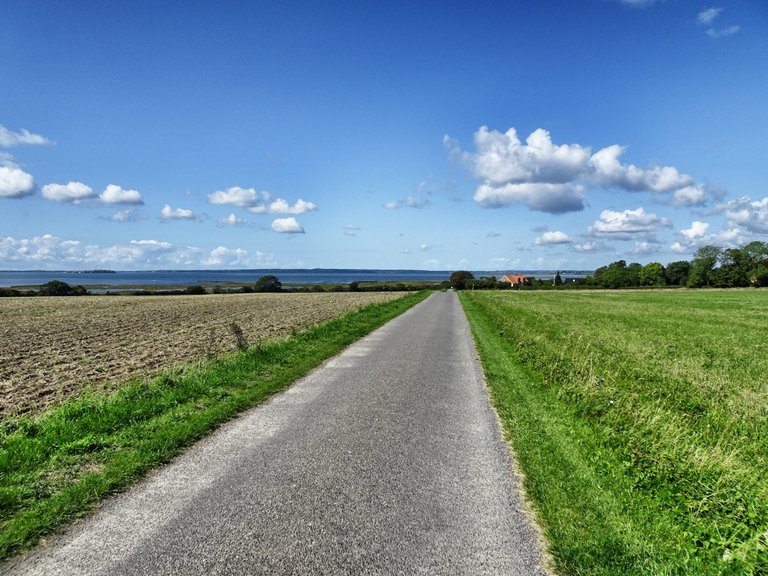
[496, 135]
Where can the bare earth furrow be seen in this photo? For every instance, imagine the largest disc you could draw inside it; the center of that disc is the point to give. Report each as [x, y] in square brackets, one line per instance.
[54, 348]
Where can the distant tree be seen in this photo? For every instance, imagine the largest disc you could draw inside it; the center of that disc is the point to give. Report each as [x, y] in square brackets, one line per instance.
[633, 274]
[598, 278]
[558, 279]
[734, 269]
[652, 274]
[711, 266]
[703, 266]
[59, 288]
[677, 273]
[458, 279]
[757, 257]
[612, 276]
[195, 290]
[268, 283]
[616, 274]
[482, 283]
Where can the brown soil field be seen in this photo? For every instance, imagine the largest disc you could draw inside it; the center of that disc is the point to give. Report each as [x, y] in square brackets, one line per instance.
[51, 349]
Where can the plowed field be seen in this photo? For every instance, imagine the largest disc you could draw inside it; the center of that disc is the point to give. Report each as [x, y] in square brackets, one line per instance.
[53, 348]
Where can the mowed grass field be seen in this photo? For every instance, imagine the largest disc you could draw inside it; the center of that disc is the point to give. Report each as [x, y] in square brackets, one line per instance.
[53, 348]
[640, 421]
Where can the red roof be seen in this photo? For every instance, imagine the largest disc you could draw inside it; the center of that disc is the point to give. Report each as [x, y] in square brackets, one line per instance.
[513, 278]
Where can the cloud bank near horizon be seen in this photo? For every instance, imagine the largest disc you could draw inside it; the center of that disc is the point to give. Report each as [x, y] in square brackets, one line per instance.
[48, 250]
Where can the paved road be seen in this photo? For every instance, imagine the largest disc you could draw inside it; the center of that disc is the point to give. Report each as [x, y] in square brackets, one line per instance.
[387, 460]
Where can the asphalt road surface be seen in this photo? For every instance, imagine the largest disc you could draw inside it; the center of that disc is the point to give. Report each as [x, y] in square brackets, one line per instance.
[386, 460]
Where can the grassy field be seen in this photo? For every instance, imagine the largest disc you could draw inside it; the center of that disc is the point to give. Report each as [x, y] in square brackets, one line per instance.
[53, 348]
[57, 464]
[640, 420]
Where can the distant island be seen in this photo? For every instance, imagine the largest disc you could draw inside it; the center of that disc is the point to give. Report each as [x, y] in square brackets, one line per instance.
[98, 271]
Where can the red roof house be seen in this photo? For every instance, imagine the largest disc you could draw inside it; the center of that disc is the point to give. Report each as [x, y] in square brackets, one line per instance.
[514, 279]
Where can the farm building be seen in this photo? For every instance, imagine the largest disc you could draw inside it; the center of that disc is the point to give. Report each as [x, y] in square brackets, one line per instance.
[514, 279]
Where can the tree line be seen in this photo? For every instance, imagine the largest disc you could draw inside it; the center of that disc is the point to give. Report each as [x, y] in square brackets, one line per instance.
[711, 266]
[52, 288]
[269, 283]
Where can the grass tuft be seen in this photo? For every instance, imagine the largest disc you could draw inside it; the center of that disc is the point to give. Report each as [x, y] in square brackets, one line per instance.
[240, 340]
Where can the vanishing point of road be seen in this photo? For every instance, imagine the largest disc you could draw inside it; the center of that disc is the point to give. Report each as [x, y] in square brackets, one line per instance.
[388, 459]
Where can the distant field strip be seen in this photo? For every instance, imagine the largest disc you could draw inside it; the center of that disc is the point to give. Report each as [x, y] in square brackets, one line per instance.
[52, 348]
[640, 420]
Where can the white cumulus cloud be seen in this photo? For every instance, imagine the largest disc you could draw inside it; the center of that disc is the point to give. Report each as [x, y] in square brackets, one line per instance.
[38, 250]
[625, 224]
[287, 226]
[72, 192]
[644, 248]
[732, 235]
[280, 206]
[544, 197]
[259, 202]
[503, 158]
[237, 196]
[129, 215]
[153, 245]
[592, 246]
[551, 178]
[609, 172]
[169, 213]
[697, 230]
[554, 237]
[407, 202]
[690, 196]
[749, 214]
[223, 256]
[51, 252]
[114, 194]
[232, 220]
[14, 182]
[8, 139]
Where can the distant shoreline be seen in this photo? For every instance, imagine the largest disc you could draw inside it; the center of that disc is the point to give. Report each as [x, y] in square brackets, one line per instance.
[115, 279]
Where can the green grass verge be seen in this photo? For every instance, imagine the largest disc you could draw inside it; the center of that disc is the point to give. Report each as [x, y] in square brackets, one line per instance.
[640, 421]
[57, 466]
